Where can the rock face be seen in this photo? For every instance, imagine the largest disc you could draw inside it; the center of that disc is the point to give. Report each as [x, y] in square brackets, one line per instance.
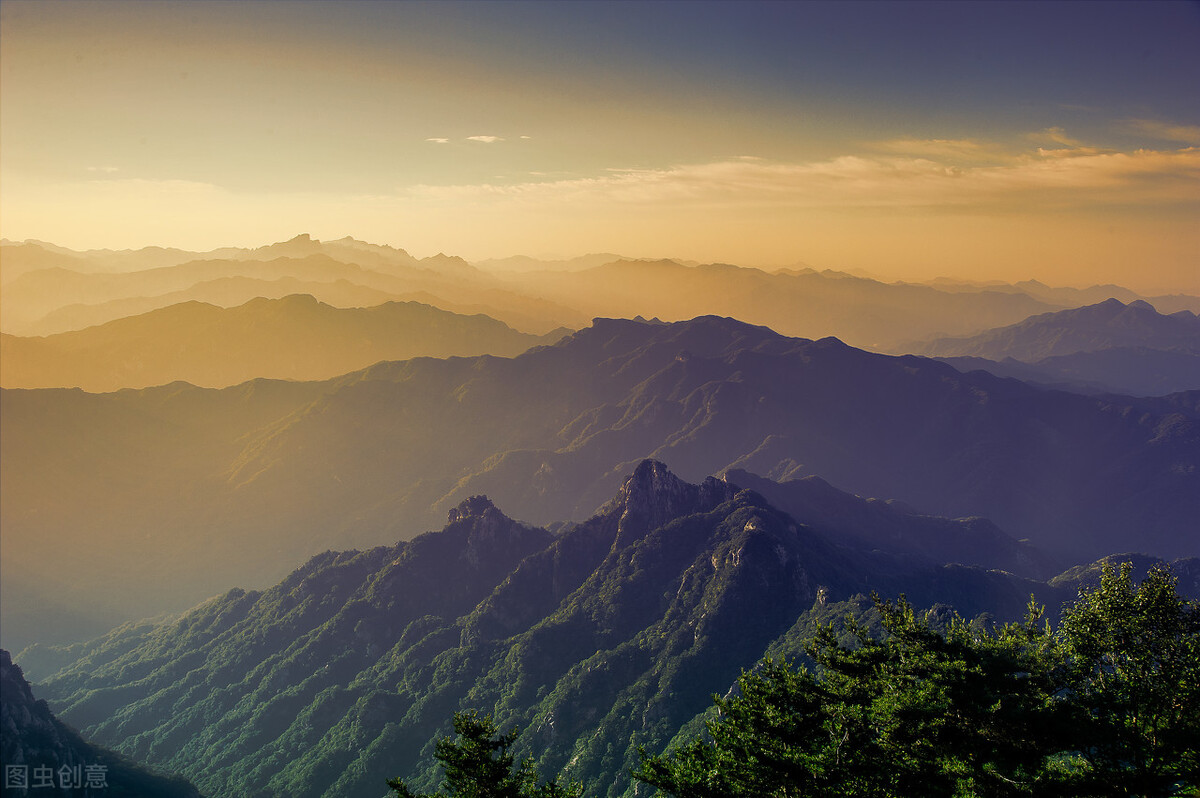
[652, 495]
[42, 756]
[607, 635]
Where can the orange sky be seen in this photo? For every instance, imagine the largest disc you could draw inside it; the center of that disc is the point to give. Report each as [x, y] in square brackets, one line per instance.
[910, 140]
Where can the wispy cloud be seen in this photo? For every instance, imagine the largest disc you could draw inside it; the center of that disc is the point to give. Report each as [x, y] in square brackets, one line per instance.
[438, 140]
[957, 149]
[486, 139]
[1072, 152]
[108, 170]
[155, 188]
[1165, 131]
[1055, 135]
[1041, 179]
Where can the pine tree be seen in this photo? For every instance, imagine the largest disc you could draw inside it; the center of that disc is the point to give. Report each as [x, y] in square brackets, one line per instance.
[478, 765]
[1109, 704]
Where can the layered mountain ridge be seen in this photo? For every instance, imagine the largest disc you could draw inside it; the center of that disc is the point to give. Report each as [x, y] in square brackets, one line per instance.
[51, 290]
[221, 487]
[293, 338]
[1104, 325]
[1109, 347]
[601, 637]
[48, 292]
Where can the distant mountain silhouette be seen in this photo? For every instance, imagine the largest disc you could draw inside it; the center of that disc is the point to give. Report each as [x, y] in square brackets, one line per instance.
[52, 759]
[42, 281]
[1107, 347]
[608, 635]
[860, 311]
[220, 487]
[524, 263]
[293, 338]
[1106, 325]
[35, 294]
[226, 292]
[100, 286]
[23, 258]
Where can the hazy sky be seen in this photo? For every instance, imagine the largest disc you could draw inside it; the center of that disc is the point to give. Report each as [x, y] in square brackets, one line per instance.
[973, 139]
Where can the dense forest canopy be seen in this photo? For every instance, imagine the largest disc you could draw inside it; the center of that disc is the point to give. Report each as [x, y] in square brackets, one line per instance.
[1107, 704]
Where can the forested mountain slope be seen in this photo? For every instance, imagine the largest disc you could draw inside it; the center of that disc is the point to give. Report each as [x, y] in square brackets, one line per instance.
[606, 635]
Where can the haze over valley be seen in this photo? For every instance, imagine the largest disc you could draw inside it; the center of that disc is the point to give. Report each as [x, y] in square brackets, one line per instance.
[374, 373]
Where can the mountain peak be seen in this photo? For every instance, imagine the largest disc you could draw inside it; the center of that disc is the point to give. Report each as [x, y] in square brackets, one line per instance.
[472, 507]
[1089, 328]
[652, 495]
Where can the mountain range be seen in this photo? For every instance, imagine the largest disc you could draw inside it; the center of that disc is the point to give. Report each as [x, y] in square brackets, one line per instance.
[136, 502]
[293, 338]
[52, 291]
[1107, 347]
[1104, 325]
[696, 492]
[49, 290]
[597, 638]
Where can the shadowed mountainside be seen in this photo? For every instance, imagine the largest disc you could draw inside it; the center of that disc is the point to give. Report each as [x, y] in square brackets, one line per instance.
[294, 338]
[608, 635]
[1128, 370]
[37, 743]
[191, 490]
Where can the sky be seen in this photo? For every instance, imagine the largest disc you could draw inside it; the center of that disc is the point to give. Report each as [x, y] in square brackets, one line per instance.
[976, 140]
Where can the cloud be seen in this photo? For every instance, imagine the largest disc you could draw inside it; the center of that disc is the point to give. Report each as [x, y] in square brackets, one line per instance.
[1025, 183]
[1055, 135]
[108, 170]
[485, 139]
[438, 141]
[1188, 134]
[1070, 152]
[958, 149]
[145, 187]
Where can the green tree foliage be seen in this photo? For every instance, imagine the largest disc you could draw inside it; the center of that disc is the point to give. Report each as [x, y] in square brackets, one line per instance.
[1107, 705]
[478, 765]
[1132, 671]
